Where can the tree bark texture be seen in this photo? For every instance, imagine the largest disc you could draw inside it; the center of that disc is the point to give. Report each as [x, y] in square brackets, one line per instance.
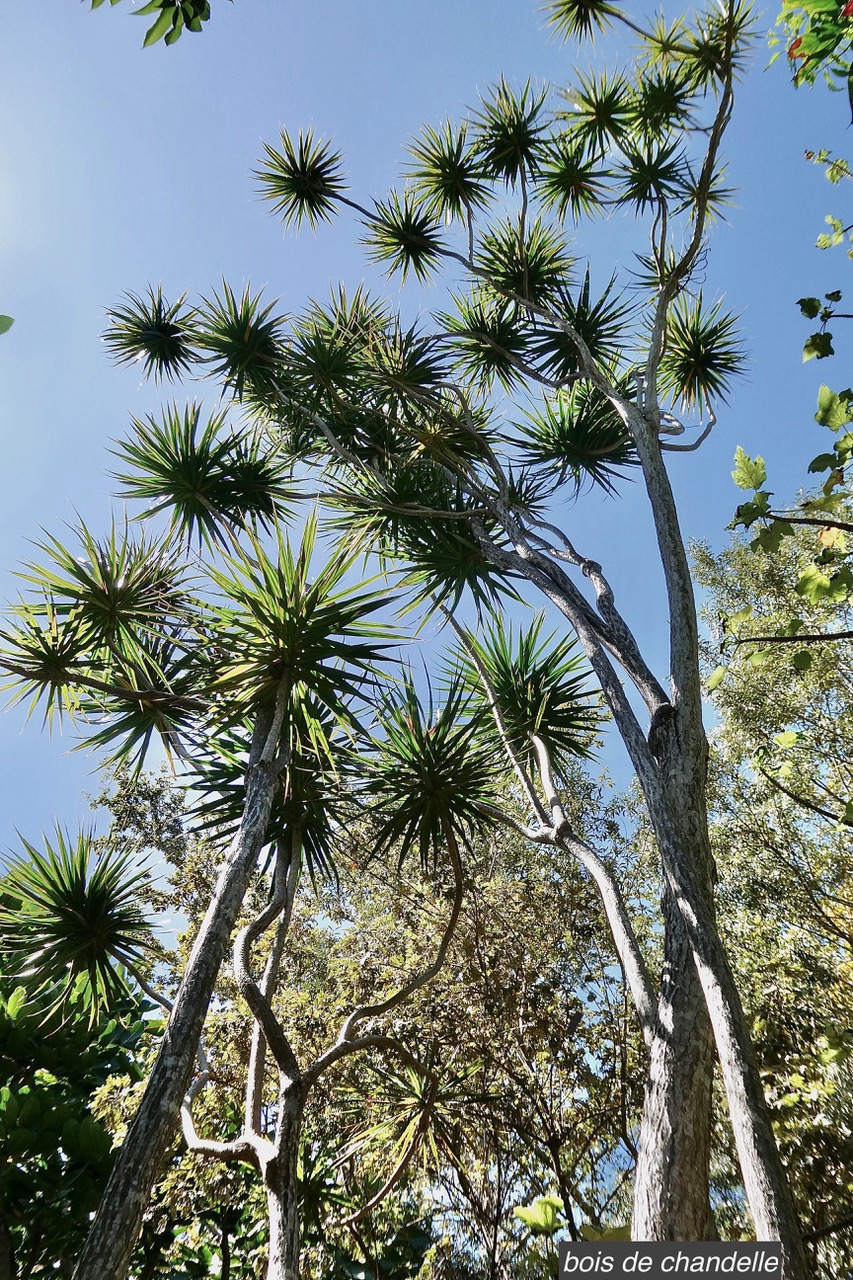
[106, 1254]
[8, 1270]
[282, 1188]
[671, 1179]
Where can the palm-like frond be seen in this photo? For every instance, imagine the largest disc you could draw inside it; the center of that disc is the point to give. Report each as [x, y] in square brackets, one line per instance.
[206, 476]
[70, 920]
[446, 175]
[542, 687]
[509, 129]
[429, 776]
[43, 656]
[600, 114]
[649, 176]
[159, 334]
[571, 180]
[703, 353]
[122, 589]
[404, 235]
[581, 435]
[242, 341]
[528, 262]
[579, 19]
[303, 180]
[308, 806]
[487, 337]
[664, 103]
[603, 324]
[280, 624]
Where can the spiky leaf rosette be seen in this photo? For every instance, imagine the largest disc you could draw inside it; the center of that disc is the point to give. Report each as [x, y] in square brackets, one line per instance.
[600, 114]
[509, 130]
[208, 478]
[242, 341]
[446, 175]
[580, 435]
[279, 626]
[405, 236]
[572, 181]
[302, 180]
[527, 262]
[429, 776]
[542, 687]
[158, 334]
[122, 590]
[488, 338]
[69, 921]
[703, 353]
[602, 323]
[310, 804]
[580, 19]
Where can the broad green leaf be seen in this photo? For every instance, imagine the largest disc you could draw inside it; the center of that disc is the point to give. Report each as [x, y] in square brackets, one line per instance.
[542, 1217]
[834, 408]
[823, 462]
[749, 473]
[787, 739]
[589, 1232]
[158, 29]
[810, 307]
[819, 346]
[6, 323]
[801, 661]
[16, 1002]
[716, 678]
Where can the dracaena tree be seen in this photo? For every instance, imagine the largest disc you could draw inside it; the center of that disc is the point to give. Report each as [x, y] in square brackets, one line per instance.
[405, 432]
[218, 639]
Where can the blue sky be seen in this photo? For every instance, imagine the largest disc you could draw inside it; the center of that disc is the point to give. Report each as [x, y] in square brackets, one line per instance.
[122, 167]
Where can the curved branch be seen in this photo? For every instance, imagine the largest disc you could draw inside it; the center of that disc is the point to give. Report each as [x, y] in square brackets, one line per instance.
[257, 1052]
[249, 989]
[491, 697]
[420, 980]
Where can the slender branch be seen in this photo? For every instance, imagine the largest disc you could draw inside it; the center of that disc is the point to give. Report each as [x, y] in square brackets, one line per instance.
[257, 1052]
[420, 979]
[694, 444]
[491, 697]
[258, 1003]
[345, 1048]
[819, 637]
[806, 804]
[819, 1233]
[829, 523]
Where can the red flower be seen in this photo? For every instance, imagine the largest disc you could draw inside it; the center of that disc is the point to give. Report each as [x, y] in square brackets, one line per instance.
[794, 46]
[847, 11]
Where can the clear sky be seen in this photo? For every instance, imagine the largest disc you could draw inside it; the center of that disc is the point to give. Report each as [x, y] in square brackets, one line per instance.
[122, 167]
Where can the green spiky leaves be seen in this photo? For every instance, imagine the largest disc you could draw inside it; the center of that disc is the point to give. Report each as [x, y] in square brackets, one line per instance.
[209, 479]
[405, 236]
[579, 19]
[580, 434]
[70, 920]
[446, 174]
[149, 330]
[430, 778]
[541, 685]
[703, 353]
[302, 179]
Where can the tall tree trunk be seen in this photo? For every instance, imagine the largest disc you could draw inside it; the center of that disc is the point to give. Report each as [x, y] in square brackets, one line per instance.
[282, 1188]
[671, 1180]
[106, 1254]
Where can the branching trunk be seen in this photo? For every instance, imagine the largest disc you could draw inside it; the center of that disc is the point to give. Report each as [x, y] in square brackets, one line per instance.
[107, 1251]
